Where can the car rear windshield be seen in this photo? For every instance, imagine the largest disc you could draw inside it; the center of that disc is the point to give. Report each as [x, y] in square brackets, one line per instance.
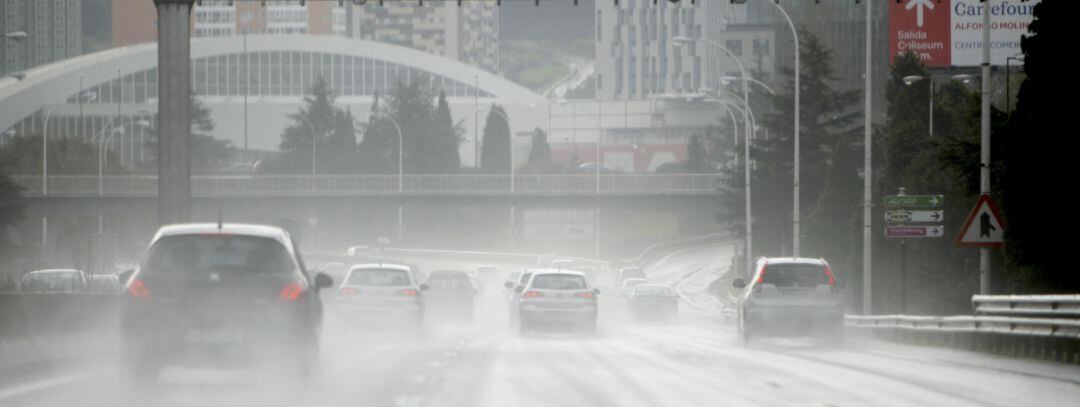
[648, 290]
[558, 282]
[633, 273]
[379, 277]
[55, 281]
[449, 281]
[795, 275]
[219, 254]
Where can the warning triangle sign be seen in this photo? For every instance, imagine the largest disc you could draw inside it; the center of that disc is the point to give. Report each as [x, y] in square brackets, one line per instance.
[984, 227]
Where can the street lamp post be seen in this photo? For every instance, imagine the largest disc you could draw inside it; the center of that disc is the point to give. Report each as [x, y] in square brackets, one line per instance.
[795, 34]
[911, 79]
[102, 148]
[681, 40]
[45, 149]
[400, 174]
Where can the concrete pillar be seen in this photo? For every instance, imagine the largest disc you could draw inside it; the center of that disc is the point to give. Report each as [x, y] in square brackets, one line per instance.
[174, 120]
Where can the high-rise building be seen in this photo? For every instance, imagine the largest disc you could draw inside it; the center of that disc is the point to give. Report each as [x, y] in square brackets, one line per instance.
[637, 58]
[466, 32]
[53, 32]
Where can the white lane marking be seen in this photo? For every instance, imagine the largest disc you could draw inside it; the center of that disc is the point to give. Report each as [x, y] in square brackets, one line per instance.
[43, 384]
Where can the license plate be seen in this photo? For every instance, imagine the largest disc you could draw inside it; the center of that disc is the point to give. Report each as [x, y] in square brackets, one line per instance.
[558, 316]
[214, 336]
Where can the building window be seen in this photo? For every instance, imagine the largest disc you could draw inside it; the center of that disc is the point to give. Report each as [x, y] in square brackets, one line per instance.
[735, 46]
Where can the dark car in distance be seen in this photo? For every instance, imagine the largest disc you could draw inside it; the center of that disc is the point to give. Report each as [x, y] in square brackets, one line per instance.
[221, 295]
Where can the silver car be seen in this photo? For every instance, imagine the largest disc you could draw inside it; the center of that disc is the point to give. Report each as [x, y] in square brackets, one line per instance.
[796, 296]
[556, 299]
[382, 293]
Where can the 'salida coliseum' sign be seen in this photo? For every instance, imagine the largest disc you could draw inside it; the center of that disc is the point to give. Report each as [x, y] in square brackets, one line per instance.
[949, 32]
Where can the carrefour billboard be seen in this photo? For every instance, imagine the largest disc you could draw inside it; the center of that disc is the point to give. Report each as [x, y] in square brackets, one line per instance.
[949, 32]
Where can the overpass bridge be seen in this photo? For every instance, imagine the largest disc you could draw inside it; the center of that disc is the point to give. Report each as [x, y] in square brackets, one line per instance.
[219, 186]
[580, 214]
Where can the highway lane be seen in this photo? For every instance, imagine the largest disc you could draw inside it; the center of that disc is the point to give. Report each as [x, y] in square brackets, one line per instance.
[695, 361]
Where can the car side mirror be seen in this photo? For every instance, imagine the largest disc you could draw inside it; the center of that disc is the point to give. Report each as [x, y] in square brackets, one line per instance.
[738, 283]
[519, 289]
[424, 287]
[125, 276]
[596, 291]
[323, 281]
[509, 284]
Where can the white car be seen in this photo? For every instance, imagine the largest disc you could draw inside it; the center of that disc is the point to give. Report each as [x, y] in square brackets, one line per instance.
[796, 295]
[556, 300]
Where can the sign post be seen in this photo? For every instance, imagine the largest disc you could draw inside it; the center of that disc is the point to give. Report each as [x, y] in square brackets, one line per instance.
[912, 216]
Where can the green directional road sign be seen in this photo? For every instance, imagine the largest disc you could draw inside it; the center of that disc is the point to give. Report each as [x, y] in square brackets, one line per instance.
[914, 201]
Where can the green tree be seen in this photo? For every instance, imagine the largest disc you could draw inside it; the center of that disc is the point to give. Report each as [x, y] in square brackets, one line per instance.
[696, 153]
[321, 126]
[207, 152]
[1039, 147]
[447, 137]
[378, 149]
[495, 149]
[540, 161]
[827, 129]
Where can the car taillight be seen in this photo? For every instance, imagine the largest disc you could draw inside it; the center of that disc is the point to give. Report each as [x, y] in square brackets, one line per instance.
[138, 289]
[347, 291]
[292, 291]
[532, 294]
[586, 295]
[828, 272]
[409, 292]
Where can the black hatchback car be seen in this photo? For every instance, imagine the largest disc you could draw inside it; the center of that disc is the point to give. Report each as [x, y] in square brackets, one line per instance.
[221, 295]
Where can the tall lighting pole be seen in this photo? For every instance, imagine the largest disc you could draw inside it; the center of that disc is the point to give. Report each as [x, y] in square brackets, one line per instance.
[681, 40]
[867, 161]
[984, 170]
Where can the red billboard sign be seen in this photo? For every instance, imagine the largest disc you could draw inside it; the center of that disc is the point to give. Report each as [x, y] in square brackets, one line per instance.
[921, 27]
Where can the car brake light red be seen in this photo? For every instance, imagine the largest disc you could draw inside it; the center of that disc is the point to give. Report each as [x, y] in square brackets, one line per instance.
[586, 295]
[409, 292]
[292, 291]
[532, 294]
[138, 289]
[347, 291]
[828, 272]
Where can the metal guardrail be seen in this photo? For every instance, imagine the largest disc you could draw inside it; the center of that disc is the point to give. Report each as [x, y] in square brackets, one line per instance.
[1042, 326]
[379, 185]
[1027, 305]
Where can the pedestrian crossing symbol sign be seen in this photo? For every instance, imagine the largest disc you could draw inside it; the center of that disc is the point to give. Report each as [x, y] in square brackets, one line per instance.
[983, 227]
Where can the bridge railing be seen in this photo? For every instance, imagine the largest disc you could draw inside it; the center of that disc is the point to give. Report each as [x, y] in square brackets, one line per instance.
[1044, 326]
[376, 185]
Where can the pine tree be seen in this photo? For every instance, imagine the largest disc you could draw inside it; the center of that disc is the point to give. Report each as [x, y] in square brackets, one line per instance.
[321, 126]
[495, 150]
[695, 156]
[448, 136]
[378, 149]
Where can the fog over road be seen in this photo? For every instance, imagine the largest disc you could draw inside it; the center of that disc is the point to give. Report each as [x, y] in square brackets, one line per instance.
[696, 361]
